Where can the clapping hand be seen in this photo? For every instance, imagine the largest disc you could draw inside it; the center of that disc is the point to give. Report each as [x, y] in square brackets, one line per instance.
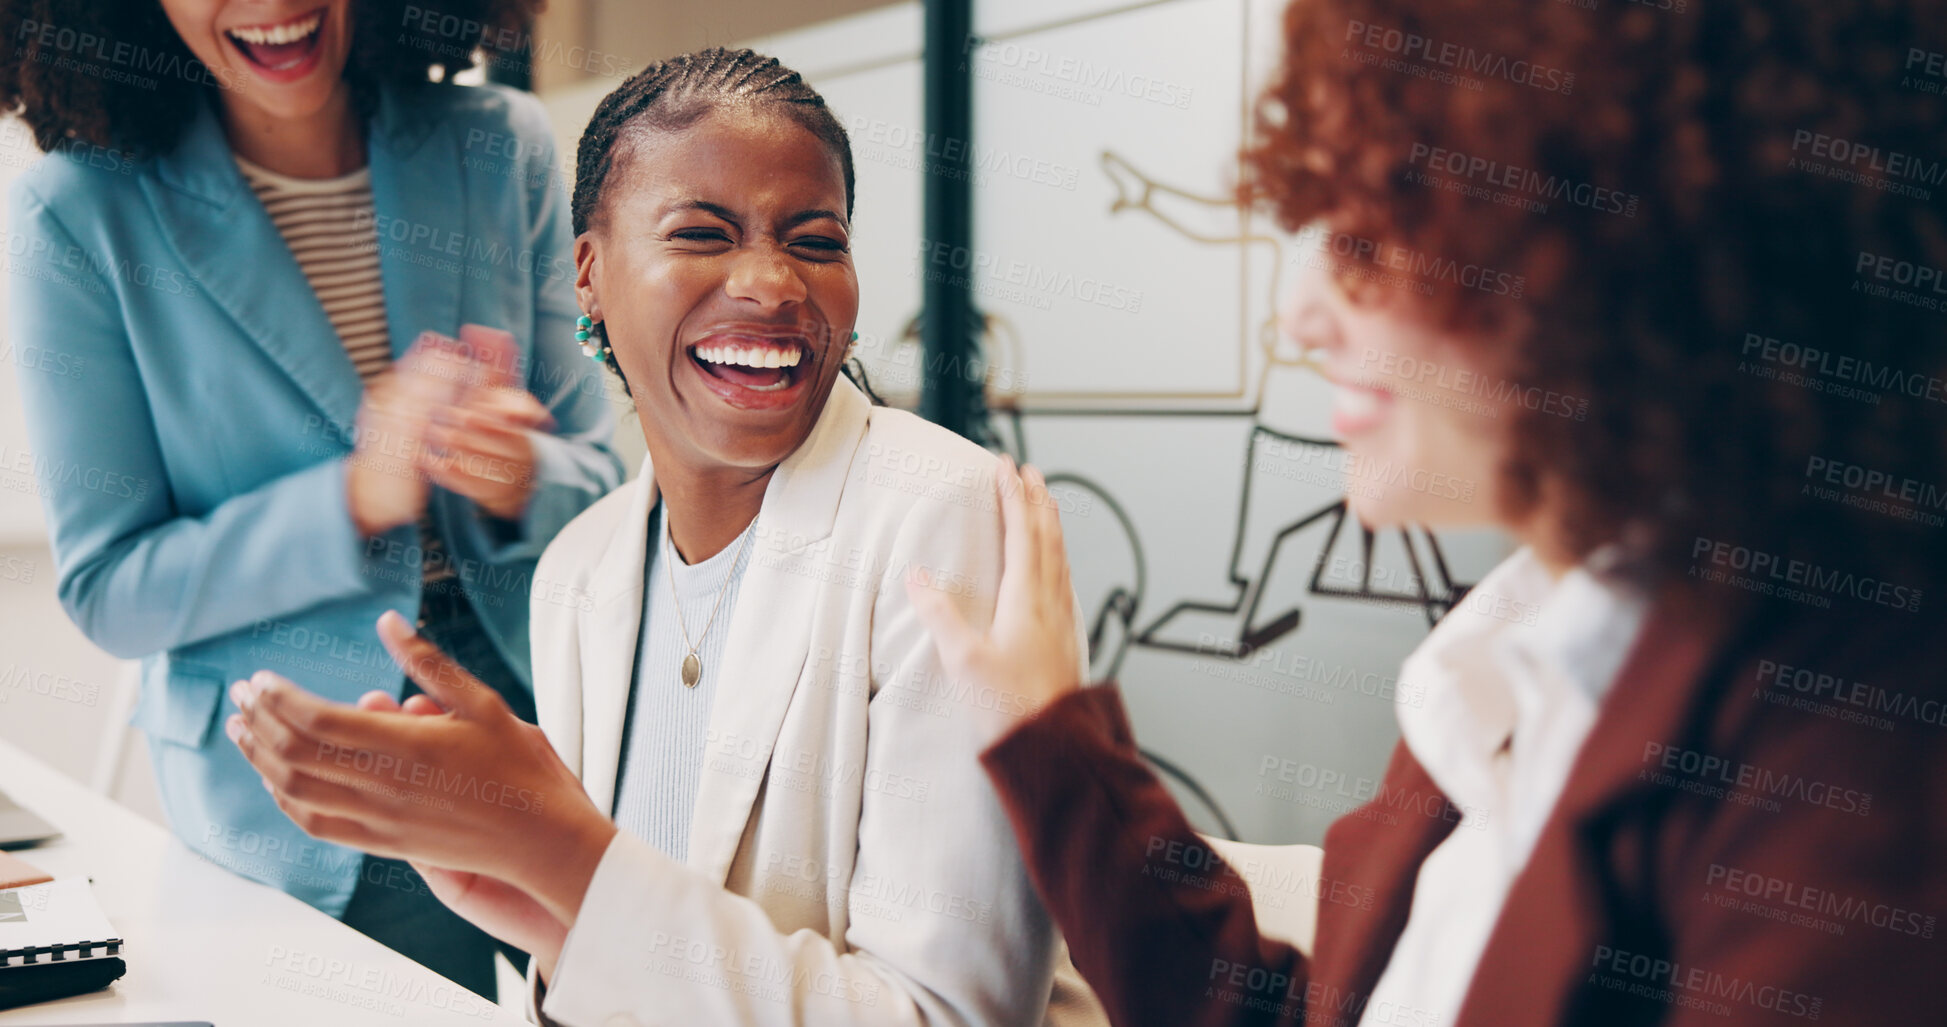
[451, 781]
[493, 905]
[481, 446]
[451, 413]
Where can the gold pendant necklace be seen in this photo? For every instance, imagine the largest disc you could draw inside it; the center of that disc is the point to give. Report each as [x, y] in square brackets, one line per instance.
[692, 669]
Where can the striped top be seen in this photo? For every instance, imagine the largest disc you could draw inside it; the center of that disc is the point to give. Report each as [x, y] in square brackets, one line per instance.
[330, 226]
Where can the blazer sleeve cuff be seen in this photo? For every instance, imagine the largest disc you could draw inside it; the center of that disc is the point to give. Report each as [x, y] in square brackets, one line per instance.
[593, 978]
[563, 488]
[1057, 743]
[334, 560]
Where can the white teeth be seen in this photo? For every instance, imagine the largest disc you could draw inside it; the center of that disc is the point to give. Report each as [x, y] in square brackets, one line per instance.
[750, 356]
[290, 32]
[1355, 402]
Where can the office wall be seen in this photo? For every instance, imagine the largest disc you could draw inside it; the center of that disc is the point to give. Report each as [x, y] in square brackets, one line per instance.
[1132, 356]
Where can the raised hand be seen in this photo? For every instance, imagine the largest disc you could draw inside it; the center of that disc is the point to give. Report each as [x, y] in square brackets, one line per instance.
[493, 905]
[471, 789]
[481, 445]
[1030, 652]
[385, 485]
[451, 413]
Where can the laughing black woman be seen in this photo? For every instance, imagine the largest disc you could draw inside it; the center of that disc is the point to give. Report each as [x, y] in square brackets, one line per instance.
[778, 826]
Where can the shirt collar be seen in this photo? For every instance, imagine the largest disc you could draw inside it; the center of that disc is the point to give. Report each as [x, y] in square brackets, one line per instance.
[1586, 625]
[1518, 641]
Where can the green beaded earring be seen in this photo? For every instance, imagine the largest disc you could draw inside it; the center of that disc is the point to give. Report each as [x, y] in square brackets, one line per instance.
[584, 329]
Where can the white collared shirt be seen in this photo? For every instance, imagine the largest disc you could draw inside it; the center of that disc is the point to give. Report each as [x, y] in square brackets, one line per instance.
[1513, 678]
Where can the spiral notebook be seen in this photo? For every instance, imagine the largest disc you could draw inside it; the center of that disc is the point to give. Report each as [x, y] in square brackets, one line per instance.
[55, 942]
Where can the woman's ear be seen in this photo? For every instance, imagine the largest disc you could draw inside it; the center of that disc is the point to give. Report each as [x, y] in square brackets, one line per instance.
[587, 275]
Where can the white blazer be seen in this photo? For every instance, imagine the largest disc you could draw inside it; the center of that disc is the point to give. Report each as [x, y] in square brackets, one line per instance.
[848, 863]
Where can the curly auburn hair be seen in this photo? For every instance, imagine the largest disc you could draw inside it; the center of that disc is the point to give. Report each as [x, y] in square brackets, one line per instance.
[1701, 238]
[117, 75]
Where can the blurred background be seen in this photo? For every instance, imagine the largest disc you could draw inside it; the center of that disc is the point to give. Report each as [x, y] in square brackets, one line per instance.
[1049, 263]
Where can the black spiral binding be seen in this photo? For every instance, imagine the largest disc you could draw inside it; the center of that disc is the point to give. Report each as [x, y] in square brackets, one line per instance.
[41, 973]
[30, 955]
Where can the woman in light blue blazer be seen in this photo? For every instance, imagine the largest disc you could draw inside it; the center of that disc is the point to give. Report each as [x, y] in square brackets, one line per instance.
[224, 490]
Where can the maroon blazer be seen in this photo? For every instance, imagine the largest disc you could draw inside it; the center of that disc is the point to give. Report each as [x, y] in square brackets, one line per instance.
[1754, 832]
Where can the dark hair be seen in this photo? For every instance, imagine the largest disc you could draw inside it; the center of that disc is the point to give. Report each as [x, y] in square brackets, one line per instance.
[117, 75]
[1712, 237]
[675, 94]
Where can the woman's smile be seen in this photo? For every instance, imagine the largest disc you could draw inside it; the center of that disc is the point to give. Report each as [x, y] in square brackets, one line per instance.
[281, 52]
[1357, 409]
[755, 367]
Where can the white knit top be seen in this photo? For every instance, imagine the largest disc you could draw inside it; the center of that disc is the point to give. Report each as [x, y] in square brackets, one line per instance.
[664, 741]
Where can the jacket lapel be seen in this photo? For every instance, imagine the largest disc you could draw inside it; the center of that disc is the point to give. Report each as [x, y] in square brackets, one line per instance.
[770, 633]
[1371, 865]
[419, 204]
[229, 246]
[770, 628]
[610, 640]
[1564, 904]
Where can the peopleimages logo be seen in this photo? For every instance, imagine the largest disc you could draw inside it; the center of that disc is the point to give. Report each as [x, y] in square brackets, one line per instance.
[1876, 491]
[1694, 987]
[1720, 777]
[1901, 272]
[1424, 50]
[1069, 78]
[1867, 165]
[1518, 181]
[425, 244]
[1839, 906]
[1838, 367]
[1415, 266]
[946, 155]
[1768, 570]
[1821, 687]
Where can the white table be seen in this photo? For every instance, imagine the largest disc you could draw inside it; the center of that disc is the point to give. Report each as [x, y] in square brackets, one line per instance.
[204, 944]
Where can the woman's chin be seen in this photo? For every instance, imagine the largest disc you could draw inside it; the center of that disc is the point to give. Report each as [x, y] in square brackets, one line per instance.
[1375, 507]
[739, 443]
[287, 103]
[1385, 507]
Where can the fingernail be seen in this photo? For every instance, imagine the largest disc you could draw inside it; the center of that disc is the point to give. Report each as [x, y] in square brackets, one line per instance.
[398, 621]
[240, 694]
[918, 576]
[234, 728]
[262, 682]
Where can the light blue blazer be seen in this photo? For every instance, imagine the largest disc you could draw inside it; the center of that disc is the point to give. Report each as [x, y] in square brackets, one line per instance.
[190, 422]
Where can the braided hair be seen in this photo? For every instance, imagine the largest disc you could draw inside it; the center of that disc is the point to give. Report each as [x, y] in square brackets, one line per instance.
[674, 94]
